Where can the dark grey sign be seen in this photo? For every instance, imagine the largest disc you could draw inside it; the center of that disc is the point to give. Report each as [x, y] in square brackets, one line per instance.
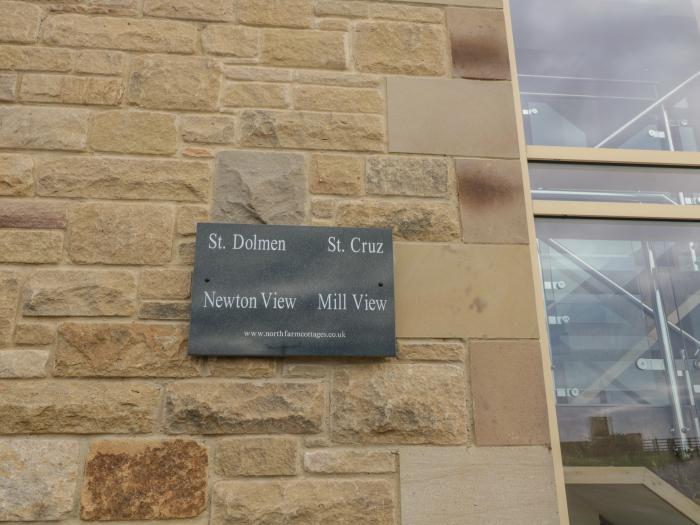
[292, 291]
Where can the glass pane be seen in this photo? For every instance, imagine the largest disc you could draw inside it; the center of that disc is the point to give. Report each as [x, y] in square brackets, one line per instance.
[623, 308]
[609, 73]
[615, 183]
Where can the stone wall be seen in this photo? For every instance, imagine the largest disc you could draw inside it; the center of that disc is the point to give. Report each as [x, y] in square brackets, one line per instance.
[123, 123]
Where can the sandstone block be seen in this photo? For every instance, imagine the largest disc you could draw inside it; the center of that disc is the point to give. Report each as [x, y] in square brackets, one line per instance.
[39, 479]
[305, 130]
[144, 480]
[30, 246]
[34, 334]
[323, 208]
[223, 407]
[255, 95]
[9, 293]
[165, 310]
[258, 456]
[411, 220]
[347, 100]
[336, 174]
[406, 13]
[123, 350]
[185, 252]
[333, 24]
[259, 187]
[19, 22]
[133, 132]
[410, 404]
[216, 10]
[79, 293]
[400, 48]
[337, 78]
[262, 74]
[208, 129]
[99, 7]
[414, 176]
[5, 332]
[35, 58]
[120, 33]
[282, 13]
[165, 284]
[180, 83]
[33, 214]
[77, 407]
[98, 62]
[242, 367]
[8, 87]
[315, 49]
[43, 128]
[188, 217]
[120, 233]
[110, 178]
[431, 350]
[231, 40]
[305, 370]
[23, 364]
[67, 89]
[16, 178]
[370, 502]
[342, 8]
[340, 461]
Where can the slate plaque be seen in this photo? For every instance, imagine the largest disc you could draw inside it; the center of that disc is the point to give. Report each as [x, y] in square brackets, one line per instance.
[292, 291]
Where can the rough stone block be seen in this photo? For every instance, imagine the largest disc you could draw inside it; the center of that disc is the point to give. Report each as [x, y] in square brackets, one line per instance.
[259, 187]
[185, 252]
[33, 215]
[43, 128]
[9, 293]
[8, 87]
[345, 100]
[216, 10]
[144, 480]
[165, 310]
[22, 364]
[400, 403]
[337, 78]
[347, 461]
[165, 284]
[281, 13]
[261, 74]
[224, 407]
[133, 132]
[258, 456]
[315, 49]
[19, 22]
[407, 13]
[323, 208]
[35, 58]
[208, 129]
[22, 246]
[342, 8]
[120, 233]
[336, 174]
[242, 367]
[188, 217]
[431, 350]
[68, 89]
[34, 334]
[5, 332]
[98, 62]
[98, 7]
[413, 176]
[254, 95]
[231, 40]
[16, 178]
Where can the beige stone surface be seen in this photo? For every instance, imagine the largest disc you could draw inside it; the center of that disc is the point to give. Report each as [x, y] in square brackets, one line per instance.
[410, 220]
[68, 89]
[466, 3]
[262, 74]
[242, 367]
[98, 62]
[216, 10]
[38, 247]
[8, 87]
[336, 174]
[333, 24]
[5, 332]
[257, 456]
[231, 40]
[428, 350]
[165, 284]
[185, 252]
[133, 132]
[411, 176]
[400, 404]
[304, 502]
[345, 100]
[43, 128]
[255, 95]
[337, 78]
[33, 214]
[35, 58]
[38, 479]
[165, 310]
[407, 13]
[112, 177]
[181, 83]
[465, 117]
[131, 34]
[350, 461]
[282, 13]
[323, 208]
[16, 175]
[20, 22]
[209, 129]
[477, 486]
[99, 7]
[9, 292]
[305, 370]
[307, 130]
[400, 48]
[79, 293]
[34, 334]
[464, 291]
[344, 8]
[225, 407]
[188, 217]
[144, 479]
[313, 49]
[115, 233]
[23, 364]
[77, 407]
[123, 350]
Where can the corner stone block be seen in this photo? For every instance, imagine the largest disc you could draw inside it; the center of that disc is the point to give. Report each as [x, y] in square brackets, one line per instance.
[257, 456]
[38, 478]
[144, 480]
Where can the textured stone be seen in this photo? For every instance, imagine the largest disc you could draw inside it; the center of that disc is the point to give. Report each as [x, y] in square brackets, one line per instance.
[400, 48]
[77, 407]
[30, 246]
[224, 407]
[180, 83]
[262, 74]
[216, 10]
[282, 13]
[165, 284]
[347, 461]
[100, 7]
[118, 178]
[259, 187]
[333, 24]
[79, 293]
[19, 22]
[33, 214]
[410, 220]
[305, 130]
[123, 350]
[323, 208]
[16, 175]
[431, 350]
[406, 13]
[43, 128]
[316, 49]
[336, 174]
[120, 233]
[492, 201]
[8, 87]
[185, 252]
[342, 8]
[9, 293]
[5, 332]
[402, 403]
[347, 100]
[479, 44]
[305, 370]
[258, 456]
[414, 176]
[35, 58]
[242, 367]
[337, 78]
[118, 33]
[23, 364]
[188, 217]
[208, 129]
[254, 95]
[133, 132]
[68, 89]
[304, 502]
[231, 40]
[165, 310]
[34, 334]
[144, 480]
[37, 479]
[99, 62]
